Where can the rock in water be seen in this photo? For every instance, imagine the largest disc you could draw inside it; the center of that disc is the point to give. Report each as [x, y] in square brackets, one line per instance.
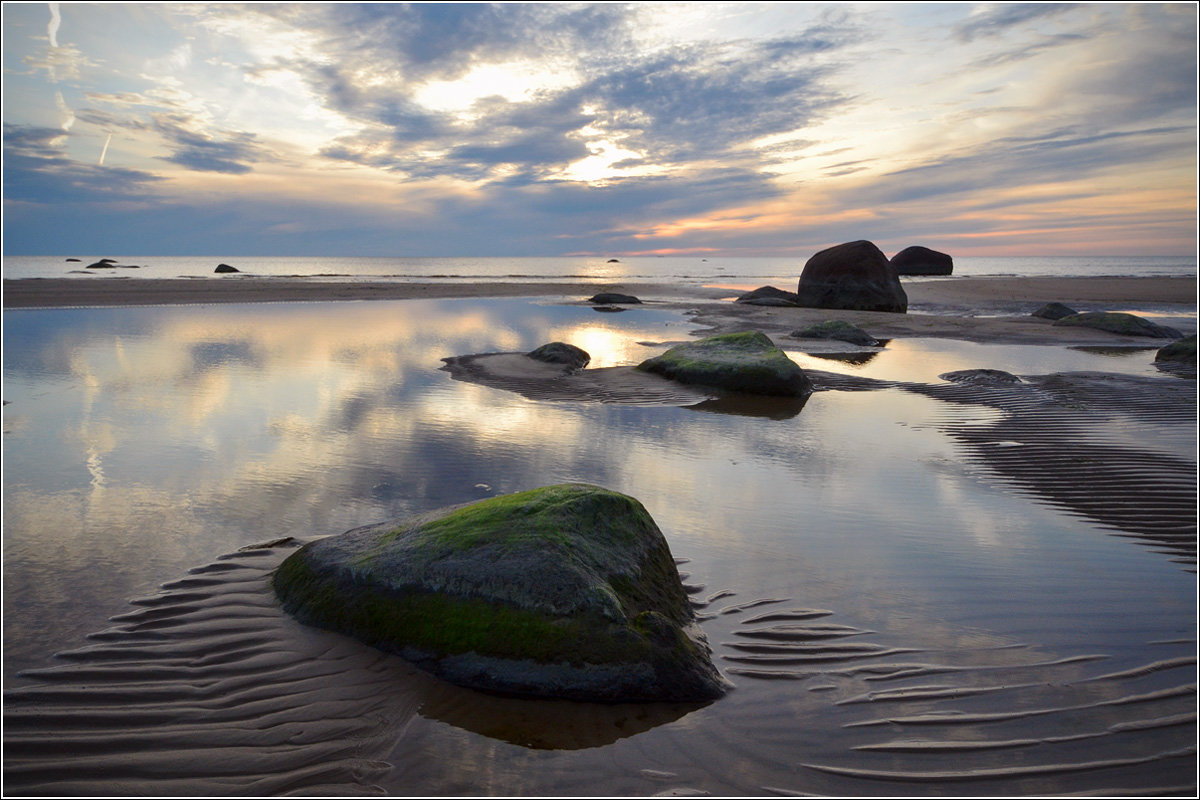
[613, 298]
[568, 355]
[837, 329]
[1184, 350]
[565, 591]
[226, 268]
[917, 260]
[742, 362]
[855, 275]
[1054, 311]
[1122, 323]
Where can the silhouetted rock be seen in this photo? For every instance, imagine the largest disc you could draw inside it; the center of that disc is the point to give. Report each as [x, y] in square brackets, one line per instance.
[613, 298]
[742, 362]
[767, 296]
[855, 275]
[561, 353]
[73, 259]
[104, 263]
[837, 329]
[1054, 311]
[917, 260]
[1184, 351]
[566, 591]
[614, 261]
[226, 268]
[1120, 322]
[981, 377]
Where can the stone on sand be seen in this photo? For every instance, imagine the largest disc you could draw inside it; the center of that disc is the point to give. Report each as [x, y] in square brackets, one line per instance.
[1054, 311]
[836, 329]
[768, 296]
[1183, 350]
[854, 275]
[565, 591]
[568, 355]
[1121, 323]
[613, 298]
[917, 260]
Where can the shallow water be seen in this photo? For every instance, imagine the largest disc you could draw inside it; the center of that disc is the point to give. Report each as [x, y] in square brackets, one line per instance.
[856, 562]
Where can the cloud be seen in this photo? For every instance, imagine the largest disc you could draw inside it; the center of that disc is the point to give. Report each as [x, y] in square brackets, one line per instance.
[995, 19]
[37, 170]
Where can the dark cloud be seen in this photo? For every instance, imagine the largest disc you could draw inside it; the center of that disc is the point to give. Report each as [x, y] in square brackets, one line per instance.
[197, 150]
[37, 170]
[998, 18]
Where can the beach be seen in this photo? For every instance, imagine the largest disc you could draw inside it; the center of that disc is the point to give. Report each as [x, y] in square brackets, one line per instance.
[922, 579]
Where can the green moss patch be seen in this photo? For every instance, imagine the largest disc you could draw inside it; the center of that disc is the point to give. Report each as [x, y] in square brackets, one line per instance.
[747, 362]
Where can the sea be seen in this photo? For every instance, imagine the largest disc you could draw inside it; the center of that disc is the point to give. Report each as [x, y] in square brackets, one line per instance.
[686, 271]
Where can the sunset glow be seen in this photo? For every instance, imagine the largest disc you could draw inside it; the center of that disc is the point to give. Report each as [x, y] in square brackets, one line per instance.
[436, 129]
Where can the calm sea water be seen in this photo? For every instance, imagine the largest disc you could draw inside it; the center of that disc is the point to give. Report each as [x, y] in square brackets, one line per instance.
[141, 442]
[687, 271]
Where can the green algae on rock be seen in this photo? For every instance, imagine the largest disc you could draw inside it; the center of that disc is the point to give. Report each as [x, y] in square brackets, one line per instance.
[1183, 350]
[1121, 323]
[565, 591]
[743, 362]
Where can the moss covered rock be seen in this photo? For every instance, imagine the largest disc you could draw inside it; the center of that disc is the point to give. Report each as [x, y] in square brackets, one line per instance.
[742, 362]
[565, 591]
[1122, 323]
[570, 356]
[1183, 351]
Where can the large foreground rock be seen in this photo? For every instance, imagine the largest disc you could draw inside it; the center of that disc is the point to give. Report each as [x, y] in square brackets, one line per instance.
[742, 362]
[1120, 322]
[917, 260]
[855, 275]
[565, 591]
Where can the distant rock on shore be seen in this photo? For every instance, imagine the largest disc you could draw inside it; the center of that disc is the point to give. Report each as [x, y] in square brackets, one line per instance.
[226, 268]
[855, 275]
[614, 298]
[1121, 323]
[917, 260]
[566, 591]
[768, 296]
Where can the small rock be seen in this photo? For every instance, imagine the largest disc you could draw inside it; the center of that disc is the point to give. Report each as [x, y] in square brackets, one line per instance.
[561, 353]
[1121, 323]
[768, 296]
[742, 362]
[981, 377]
[613, 298]
[226, 268]
[1184, 351]
[837, 329]
[1054, 311]
[613, 261]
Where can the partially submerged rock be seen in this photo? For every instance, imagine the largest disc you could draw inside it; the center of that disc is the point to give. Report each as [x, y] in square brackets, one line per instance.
[1122, 323]
[837, 329]
[917, 260]
[613, 298]
[981, 377]
[226, 268]
[742, 362]
[1054, 311]
[1183, 351]
[568, 355]
[855, 275]
[565, 591]
[768, 296]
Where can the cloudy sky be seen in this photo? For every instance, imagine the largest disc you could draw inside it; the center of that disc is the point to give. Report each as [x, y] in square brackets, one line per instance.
[557, 128]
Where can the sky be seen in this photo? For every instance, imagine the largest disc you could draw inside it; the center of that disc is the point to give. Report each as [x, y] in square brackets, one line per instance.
[545, 129]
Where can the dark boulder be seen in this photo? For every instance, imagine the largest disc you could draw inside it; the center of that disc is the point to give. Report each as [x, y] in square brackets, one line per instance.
[1183, 351]
[614, 261]
[226, 268]
[613, 298]
[837, 329]
[767, 296]
[917, 260]
[1120, 322]
[568, 355]
[566, 591]
[855, 275]
[1054, 311]
[742, 362]
[981, 377]
[73, 259]
[104, 263]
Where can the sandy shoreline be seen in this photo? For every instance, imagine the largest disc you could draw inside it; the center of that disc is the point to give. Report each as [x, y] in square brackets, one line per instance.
[71, 292]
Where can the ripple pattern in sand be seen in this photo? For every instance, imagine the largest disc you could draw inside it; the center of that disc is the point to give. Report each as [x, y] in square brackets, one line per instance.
[208, 688]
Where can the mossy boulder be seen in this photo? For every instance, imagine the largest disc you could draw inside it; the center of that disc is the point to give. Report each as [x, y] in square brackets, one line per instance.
[565, 591]
[568, 355]
[742, 362]
[1183, 351]
[1120, 322]
[854, 275]
[837, 329]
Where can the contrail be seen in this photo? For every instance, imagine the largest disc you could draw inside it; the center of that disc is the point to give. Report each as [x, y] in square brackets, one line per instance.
[55, 21]
[104, 152]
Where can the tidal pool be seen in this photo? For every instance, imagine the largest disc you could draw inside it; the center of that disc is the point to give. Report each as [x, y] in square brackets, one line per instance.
[899, 613]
